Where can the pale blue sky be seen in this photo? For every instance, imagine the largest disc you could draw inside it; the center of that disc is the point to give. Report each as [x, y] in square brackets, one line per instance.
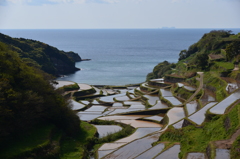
[103, 14]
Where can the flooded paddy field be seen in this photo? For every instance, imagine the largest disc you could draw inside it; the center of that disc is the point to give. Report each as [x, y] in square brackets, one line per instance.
[171, 153]
[76, 105]
[191, 107]
[143, 110]
[196, 155]
[134, 148]
[222, 154]
[221, 106]
[104, 130]
[199, 116]
[152, 152]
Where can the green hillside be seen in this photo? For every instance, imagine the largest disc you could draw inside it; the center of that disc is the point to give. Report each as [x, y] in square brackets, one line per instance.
[33, 116]
[216, 54]
[43, 56]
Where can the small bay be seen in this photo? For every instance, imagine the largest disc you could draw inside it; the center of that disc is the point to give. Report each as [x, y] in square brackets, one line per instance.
[118, 56]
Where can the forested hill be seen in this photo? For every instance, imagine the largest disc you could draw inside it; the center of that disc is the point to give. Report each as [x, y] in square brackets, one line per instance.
[43, 56]
[216, 51]
[28, 102]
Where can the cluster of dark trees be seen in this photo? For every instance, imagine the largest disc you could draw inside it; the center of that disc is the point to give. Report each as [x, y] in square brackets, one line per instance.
[27, 98]
[212, 42]
[161, 69]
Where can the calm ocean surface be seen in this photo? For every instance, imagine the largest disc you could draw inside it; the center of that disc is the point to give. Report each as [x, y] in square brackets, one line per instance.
[119, 56]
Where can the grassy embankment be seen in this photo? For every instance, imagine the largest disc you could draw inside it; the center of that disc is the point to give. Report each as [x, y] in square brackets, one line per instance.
[77, 148]
[44, 138]
[195, 139]
[126, 131]
[46, 141]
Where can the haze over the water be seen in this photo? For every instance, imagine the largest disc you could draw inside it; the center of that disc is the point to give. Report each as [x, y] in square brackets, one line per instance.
[105, 14]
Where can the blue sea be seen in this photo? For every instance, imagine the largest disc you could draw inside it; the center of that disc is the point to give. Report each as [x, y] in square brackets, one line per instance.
[118, 56]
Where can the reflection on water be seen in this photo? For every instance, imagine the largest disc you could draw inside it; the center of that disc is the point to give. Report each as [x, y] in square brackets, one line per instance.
[159, 105]
[122, 98]
[96, 108]
[199, 116]
[140, 123]
[189, 88]
[131, 103]
[175, 114]
[111, 146]
[166, 93]
[221, 106]
[76, 105]
[134, 148]
[135, 106]
[171, 153]
[104, 153]
[178, 125]
[196, 155]
[152, 152]
[88, 117]
[152, 99]
[104, 130]
[155, 117]
[62, 83]
[122, 117]
[140, 132]
[191, 107]
[173, 100]
[222, 154]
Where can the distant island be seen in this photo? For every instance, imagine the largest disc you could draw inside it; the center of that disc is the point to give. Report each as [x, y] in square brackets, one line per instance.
[168, 28]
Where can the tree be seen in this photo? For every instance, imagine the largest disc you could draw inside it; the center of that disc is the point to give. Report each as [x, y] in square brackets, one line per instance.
[233, 50]
[182, 55]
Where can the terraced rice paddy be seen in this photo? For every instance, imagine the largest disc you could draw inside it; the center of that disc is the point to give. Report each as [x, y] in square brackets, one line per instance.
[84, 86]
[104, 130]
[173, 100]
[199, 116]
[166, 93]
[76, 105]
[159, 105]
[175, 114]
[88, 117]
[62, 83]
[189, 88]
[152, 152]
[139, 133]
[222, 154]
[179, 124]
[221, 106]
[140, 123]
[154, 118]
[96, 108]
[134, 148]
[191, 107]
[171, 153]
[143, 110]
[152, 99]
[196, 155]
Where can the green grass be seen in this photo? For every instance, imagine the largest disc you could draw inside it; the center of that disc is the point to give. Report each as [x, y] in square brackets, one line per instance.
[76, 148]
[212, 81]
[71, 87]
[34, 139]
[225, 65]
[185, 94]
[194, 139]
[235, 149]
[126, 131]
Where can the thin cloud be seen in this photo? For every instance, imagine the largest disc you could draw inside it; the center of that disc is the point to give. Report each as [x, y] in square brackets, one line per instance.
[44, 2]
